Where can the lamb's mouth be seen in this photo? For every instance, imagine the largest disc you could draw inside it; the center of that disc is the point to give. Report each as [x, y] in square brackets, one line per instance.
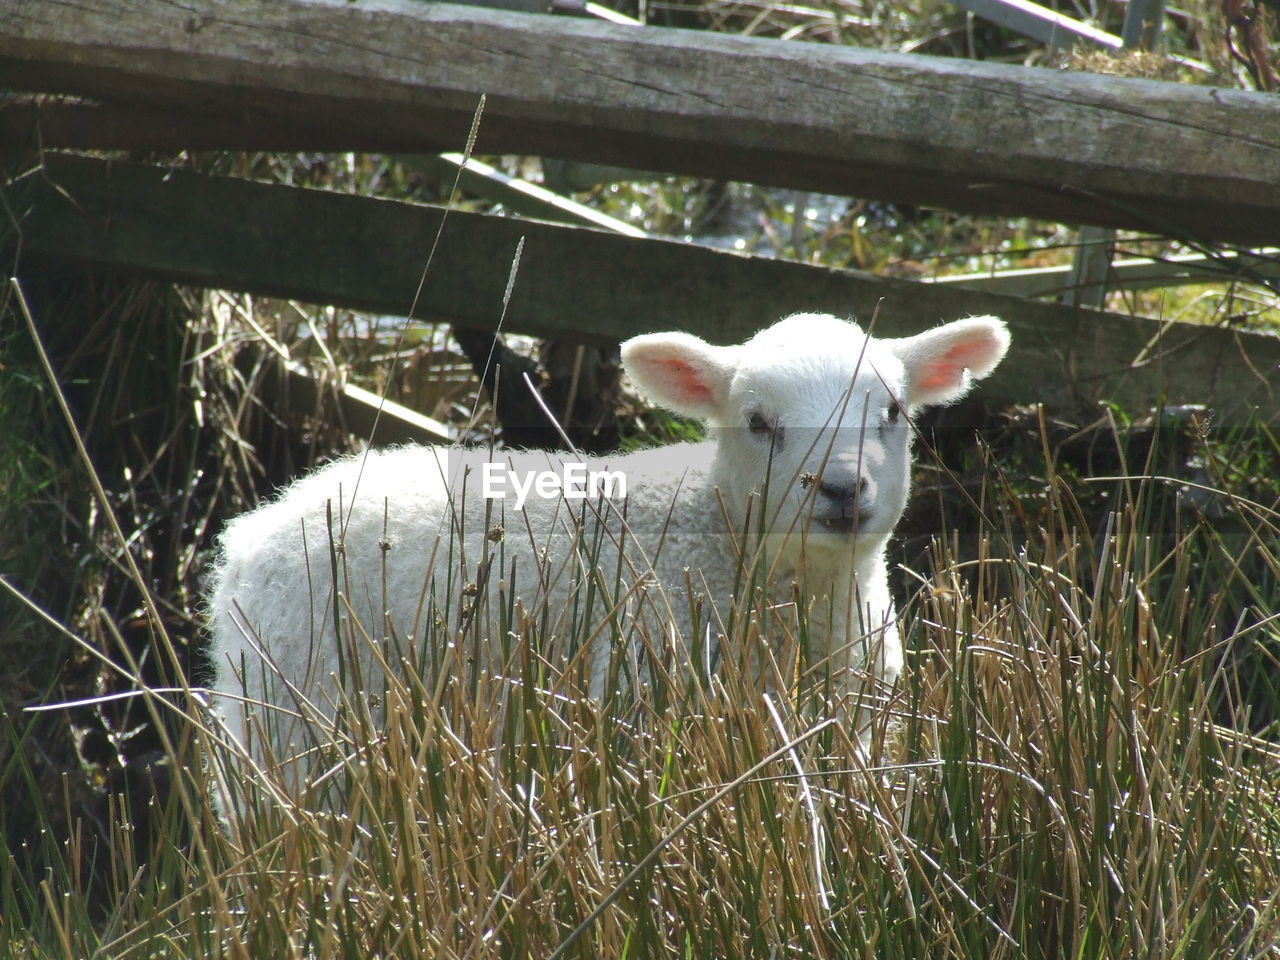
[840, 524]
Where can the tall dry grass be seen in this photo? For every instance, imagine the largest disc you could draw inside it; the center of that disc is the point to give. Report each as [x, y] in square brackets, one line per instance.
[1067, 769]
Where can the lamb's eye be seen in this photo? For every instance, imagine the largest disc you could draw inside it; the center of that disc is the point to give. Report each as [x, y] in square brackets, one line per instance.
[758, 425]
[892, 411]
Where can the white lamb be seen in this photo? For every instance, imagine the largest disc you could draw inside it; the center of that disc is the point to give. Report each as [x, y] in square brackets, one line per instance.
[806, 471]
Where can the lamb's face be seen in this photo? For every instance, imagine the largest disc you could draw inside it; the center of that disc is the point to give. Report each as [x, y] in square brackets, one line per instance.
[812, 416]
[816, 430]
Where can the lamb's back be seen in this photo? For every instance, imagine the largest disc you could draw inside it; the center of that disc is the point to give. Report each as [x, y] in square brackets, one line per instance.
[408, 531]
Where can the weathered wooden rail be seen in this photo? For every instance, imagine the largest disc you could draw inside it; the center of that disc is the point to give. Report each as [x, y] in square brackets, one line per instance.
[395, 75]
[579, 284]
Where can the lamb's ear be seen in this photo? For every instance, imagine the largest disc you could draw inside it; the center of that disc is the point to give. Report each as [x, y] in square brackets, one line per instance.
[942, 363]
[681, 372]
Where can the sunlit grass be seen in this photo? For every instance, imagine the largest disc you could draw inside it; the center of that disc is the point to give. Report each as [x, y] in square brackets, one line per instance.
[1068, 769]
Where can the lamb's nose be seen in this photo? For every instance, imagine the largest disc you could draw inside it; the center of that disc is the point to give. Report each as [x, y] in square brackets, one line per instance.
[847, 496]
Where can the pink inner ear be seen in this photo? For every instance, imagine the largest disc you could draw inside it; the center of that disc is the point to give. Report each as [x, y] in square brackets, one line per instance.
[687, 381]
[946, 372]
[942, 375]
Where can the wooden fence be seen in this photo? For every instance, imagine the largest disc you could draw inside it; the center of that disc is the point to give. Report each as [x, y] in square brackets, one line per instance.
[399, 75]
[406, 76]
